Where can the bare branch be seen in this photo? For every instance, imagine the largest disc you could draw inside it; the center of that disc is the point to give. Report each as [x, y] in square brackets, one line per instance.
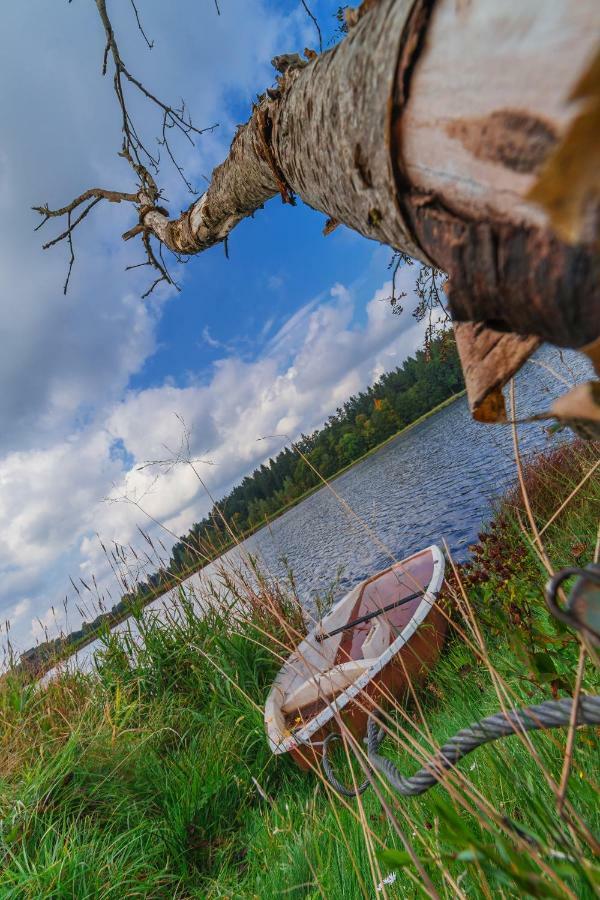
[175, 118]
[66, 234]
[137, 265]
[316, 24]
[431, 298]
[99, 193]
[140, 27]
[134, 151]
[72, 258]
[396, 261]
[165, 143]
[158, 264]
[133, 232]
[431, 305]
[170, 279]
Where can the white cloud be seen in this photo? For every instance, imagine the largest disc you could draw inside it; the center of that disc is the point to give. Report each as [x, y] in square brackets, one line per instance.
[267, 328]
[20, 609]
[275, 282]
[64, 358]
[291, 332]
[209, 339]
[52, 497]
[67, 360]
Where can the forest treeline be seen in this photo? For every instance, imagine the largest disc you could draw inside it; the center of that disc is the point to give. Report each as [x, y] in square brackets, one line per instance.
[394, 401]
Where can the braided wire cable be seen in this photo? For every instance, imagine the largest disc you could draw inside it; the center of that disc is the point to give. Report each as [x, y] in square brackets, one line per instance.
[551, 714]
[335, 783]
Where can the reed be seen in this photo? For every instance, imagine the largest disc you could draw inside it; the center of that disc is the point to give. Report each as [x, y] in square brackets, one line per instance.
[151, 776]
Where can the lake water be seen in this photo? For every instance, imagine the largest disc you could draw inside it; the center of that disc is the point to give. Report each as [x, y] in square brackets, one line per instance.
[436, 483]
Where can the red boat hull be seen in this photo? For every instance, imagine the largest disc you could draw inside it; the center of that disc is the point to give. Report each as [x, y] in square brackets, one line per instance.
[406, 672]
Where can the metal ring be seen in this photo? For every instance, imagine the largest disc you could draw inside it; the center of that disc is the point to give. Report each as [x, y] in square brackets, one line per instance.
[566, 615]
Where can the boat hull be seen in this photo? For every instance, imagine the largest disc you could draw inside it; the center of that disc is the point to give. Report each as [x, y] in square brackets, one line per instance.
[372, 650]
[407, 671]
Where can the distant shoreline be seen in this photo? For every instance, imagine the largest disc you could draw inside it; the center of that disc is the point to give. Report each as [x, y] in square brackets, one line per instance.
[187, 573]
[111, 622]
[325, 481]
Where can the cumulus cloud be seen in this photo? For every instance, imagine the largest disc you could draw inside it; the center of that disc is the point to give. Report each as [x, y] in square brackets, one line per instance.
[59, 498]
[75, 436]
[64, 357]
[67, 360]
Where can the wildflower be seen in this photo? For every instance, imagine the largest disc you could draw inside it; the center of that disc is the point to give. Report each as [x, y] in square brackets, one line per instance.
[389, 879]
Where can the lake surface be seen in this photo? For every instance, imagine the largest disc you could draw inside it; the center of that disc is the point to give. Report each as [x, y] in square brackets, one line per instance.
[436, 483]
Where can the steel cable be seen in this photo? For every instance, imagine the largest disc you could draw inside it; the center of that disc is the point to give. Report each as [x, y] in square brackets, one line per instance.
[551, 714]
[329, 773]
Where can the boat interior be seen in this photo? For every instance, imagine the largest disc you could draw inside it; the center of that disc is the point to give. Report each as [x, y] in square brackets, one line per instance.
[324, 666]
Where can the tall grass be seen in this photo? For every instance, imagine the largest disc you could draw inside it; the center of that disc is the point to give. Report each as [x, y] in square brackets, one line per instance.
[151, 776]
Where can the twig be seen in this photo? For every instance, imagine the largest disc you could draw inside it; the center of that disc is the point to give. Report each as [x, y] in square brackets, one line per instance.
[137, 17]
[311, 16]
[72, 259]
[396, 262]
[165, 143]
[69, 231]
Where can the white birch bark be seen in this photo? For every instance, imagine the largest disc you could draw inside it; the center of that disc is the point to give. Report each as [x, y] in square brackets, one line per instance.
[425, 129]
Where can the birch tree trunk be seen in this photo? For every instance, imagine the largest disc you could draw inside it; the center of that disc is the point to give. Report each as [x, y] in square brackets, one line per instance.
[426, 128]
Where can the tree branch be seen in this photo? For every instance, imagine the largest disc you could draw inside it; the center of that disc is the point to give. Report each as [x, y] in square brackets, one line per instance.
[147, 193]
[316, 24]
[140, 27]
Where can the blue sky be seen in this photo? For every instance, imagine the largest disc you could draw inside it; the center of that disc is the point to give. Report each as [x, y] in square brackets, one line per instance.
[97, 383]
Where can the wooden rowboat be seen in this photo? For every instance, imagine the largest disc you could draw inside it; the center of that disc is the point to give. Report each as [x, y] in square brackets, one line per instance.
[386, 633]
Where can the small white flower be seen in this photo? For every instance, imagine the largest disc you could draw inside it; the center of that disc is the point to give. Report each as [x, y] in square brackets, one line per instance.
[389, 879]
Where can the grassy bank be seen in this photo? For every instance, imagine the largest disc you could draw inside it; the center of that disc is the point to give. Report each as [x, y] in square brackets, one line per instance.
[46, 659]
[153, 778]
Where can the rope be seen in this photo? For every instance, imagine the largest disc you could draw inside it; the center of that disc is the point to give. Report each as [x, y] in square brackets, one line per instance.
[551, 714]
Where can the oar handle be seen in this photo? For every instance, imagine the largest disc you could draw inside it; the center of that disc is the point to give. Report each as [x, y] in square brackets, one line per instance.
[368, 616]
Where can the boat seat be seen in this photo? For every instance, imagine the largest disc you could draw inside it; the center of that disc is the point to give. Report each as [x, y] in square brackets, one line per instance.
[378, 639]
[325, 685]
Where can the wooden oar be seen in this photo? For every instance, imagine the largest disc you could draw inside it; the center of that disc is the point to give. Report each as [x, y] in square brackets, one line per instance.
[368, 616]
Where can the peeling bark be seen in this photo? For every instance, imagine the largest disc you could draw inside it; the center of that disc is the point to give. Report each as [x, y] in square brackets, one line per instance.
[489, 360]
[426, 129]
[325, 135]
[423, 131]
[239, 186]
[470, 156]
[514, 279]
